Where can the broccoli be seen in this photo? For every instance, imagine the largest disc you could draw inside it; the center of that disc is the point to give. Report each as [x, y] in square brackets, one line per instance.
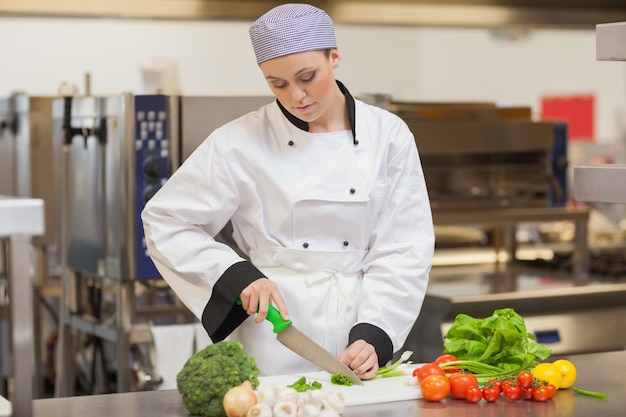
[210, 373]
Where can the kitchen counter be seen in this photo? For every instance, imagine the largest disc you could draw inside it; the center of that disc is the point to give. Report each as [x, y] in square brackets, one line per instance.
[603, 372]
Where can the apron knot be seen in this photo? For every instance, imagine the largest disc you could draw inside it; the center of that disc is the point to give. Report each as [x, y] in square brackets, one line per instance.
[338, 304]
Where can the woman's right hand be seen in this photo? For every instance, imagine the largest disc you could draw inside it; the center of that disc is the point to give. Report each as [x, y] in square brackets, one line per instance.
[257, 297]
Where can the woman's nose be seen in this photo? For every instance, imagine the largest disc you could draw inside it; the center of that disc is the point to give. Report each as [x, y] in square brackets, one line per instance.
[297, 94]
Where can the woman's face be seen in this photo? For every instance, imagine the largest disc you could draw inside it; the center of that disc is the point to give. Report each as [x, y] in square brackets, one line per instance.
[304, 83]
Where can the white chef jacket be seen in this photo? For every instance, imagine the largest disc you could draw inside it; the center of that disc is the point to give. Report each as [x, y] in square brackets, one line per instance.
[341, 222]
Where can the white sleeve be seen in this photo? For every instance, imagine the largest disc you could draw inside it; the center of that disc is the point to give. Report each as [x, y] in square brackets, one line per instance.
[181, 220]
[398, 263]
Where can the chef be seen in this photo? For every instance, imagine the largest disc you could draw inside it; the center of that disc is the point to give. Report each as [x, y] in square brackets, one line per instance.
[327, 200]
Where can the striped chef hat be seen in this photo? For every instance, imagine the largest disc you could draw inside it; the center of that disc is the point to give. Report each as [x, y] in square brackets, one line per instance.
[291, 28]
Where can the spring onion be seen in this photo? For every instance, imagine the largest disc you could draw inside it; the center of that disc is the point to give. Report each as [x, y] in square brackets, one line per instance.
[586, 393]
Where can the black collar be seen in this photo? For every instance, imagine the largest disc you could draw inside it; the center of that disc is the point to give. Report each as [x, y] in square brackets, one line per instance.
[301, 124]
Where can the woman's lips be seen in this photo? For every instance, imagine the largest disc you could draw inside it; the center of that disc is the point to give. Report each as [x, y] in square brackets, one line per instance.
[303, 109]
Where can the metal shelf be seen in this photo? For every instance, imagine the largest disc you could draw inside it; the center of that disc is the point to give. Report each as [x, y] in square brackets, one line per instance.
[20, 220]
[604, 183]
[600, 183]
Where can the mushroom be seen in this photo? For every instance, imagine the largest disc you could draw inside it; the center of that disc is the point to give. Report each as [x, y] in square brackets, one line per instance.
[267, 394]
[287, 394]
[335, 401]
[328, 412]
[308, 410]
[285, 409]
[313, 398]
[260, 410]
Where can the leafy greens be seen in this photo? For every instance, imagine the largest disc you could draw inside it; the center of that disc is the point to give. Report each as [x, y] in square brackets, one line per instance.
[500, 340]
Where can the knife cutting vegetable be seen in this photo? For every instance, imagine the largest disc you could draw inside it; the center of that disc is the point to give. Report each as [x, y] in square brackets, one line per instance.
[298, 342]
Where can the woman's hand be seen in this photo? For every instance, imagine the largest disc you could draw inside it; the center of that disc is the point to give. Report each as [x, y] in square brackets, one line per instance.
[361, 357]
[257, 296]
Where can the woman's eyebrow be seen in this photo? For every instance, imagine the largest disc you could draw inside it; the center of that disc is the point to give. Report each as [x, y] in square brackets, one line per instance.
[305, 69]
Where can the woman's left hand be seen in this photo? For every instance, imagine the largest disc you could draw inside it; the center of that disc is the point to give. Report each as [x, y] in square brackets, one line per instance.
[361, 357]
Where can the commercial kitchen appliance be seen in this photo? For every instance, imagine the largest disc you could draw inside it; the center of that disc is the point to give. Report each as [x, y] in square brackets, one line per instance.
[479, 155]
[8, 126]
[566, 314]
[567, 318]
[21, 220]
[488, 170]
[28, 163]
[118, 151]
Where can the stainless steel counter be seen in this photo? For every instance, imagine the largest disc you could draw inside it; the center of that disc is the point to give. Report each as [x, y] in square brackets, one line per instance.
[602, 372]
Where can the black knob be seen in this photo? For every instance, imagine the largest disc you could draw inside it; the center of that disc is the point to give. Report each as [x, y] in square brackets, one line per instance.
[153, 168]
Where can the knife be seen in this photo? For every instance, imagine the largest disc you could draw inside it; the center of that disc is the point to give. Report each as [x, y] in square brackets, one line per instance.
[294, 339]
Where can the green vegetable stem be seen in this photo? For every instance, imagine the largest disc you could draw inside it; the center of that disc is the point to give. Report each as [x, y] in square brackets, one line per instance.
[392, 370]
[593, 394]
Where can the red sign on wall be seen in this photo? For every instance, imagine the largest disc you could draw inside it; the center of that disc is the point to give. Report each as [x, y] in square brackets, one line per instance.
[577, 111]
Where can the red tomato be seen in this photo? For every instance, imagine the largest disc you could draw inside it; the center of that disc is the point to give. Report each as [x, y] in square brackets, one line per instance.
[491, 393]
[527, 393]
[512, 392]
[460, 382]
[525, 379]
[473, 394]
[445, 359]
[435, 387]
[551, 390]
[541, 393]
[426, 370]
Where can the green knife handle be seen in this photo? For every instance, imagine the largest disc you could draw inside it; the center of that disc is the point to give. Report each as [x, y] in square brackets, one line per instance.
[274, 317]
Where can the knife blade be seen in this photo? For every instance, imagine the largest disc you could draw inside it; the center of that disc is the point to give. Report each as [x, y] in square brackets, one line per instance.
[294, 339]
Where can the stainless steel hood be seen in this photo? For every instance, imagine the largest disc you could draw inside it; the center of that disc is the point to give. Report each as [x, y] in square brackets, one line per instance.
[473, 13]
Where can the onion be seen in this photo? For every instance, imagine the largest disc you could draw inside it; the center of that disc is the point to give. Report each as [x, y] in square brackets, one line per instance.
[238, 400]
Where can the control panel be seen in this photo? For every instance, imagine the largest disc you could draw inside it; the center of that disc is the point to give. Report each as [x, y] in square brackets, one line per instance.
[152, 164]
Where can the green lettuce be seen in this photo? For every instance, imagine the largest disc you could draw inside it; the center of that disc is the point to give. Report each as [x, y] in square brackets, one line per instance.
[500, 340]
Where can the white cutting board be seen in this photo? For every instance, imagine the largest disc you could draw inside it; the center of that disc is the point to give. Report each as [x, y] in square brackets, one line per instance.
[380, 390]
[5, 407]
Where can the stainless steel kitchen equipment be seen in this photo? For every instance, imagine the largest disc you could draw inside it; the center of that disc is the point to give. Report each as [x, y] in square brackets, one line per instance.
[567, 315]
[20, 220]
[29, 162]
[8, 126]
[118, 151]
[567, 318]
[477, 155]
[602, 372]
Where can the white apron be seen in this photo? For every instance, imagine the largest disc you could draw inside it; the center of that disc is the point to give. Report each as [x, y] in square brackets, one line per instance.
[322, 304]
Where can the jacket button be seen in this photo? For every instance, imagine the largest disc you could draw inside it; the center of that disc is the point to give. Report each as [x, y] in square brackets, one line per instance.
[290, 143]
[346, 243]
[352, 191]
[305, 245]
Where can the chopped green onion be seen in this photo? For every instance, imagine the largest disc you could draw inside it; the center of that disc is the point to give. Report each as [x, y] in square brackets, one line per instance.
[301, 385]
[339, 379]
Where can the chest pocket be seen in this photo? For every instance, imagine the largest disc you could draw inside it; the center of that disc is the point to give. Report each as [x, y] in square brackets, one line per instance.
[342, 218]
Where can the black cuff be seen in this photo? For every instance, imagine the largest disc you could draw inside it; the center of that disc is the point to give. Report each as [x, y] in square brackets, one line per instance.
[374, 336]
[222, 314]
